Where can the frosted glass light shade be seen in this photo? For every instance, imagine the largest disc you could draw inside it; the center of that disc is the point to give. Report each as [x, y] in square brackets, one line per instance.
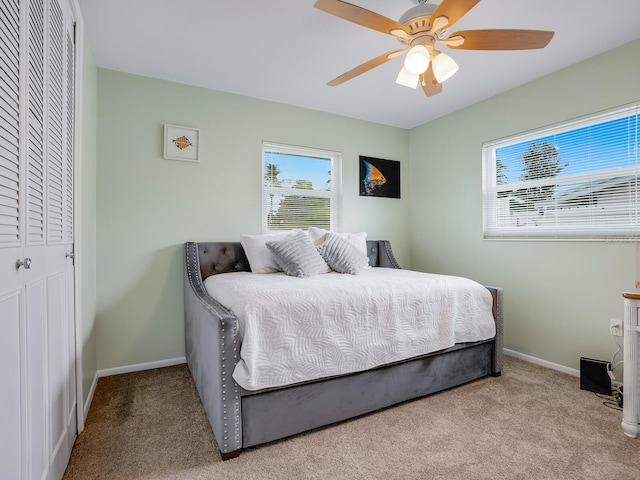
[417, 60]
[444, 67]
[408, 79]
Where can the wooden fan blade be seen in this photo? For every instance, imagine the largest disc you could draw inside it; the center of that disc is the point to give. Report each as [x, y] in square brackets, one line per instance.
[454, 10]
[362, 16]
[502, 39]
[430, 85]
[365, 67]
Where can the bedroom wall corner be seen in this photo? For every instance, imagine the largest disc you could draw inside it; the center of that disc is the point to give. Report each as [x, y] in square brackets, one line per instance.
[87, 213]
[559, 295]
[147, 206]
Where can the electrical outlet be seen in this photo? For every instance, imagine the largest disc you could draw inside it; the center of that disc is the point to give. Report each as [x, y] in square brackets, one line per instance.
[616, 327]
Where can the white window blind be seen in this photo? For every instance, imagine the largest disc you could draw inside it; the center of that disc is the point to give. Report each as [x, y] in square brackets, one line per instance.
[300, 188]
[575, 180]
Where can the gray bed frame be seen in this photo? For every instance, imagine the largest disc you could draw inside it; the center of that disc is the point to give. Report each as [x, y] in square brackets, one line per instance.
[241, 418]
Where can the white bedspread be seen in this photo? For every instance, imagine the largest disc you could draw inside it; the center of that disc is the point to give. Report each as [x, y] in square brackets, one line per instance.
[298, 329]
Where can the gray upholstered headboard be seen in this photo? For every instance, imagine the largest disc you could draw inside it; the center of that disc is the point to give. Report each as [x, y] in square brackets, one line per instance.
[224, 257]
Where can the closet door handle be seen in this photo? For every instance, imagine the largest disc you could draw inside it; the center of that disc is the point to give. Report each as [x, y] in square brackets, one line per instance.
[26, 263]
[68, 255]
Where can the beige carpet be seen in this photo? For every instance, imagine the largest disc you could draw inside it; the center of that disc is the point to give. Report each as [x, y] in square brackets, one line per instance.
[531, 423]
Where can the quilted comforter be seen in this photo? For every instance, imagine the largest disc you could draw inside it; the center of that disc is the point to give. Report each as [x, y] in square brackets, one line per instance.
[299, 329]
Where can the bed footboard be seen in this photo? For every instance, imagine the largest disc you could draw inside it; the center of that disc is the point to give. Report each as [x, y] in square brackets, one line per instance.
[212, 351]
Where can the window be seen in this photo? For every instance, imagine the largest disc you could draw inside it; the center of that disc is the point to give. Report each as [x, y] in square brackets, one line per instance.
[300, 188]
[574, 180]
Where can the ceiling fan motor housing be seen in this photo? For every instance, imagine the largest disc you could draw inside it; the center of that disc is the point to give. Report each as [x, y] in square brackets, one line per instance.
[417, 19]
[421, 10]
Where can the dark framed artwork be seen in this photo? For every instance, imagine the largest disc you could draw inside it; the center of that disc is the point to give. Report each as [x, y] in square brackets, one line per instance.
[379, 177]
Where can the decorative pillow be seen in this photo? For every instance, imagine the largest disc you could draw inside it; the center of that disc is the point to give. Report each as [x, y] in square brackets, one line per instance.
[261, 259]
[358, 240]
[297, 256]
[341, 255]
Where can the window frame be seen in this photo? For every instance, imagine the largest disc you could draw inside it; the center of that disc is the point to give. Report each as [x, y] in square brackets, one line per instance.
[567, 230]
[334, 194]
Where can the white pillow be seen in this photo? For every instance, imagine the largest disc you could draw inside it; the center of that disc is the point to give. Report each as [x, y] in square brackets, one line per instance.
[358, 240]
[261, 259]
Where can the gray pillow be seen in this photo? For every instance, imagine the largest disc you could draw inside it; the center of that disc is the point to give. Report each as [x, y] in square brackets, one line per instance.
[297, 256]
[341, 255]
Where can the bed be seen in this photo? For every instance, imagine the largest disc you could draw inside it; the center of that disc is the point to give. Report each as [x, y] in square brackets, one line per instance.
[242, 418]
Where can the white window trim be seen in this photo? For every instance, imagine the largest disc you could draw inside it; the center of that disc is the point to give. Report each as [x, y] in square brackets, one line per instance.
[335, 194]
[570, 233]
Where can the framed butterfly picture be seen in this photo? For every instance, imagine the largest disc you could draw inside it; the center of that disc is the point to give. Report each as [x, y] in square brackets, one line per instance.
[181, 143]
[379, 178]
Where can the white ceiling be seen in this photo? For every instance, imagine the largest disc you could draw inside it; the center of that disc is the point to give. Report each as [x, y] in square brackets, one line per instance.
[287, 50]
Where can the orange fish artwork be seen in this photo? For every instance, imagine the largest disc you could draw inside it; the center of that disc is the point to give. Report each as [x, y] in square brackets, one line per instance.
[373, 178]
[182, 142]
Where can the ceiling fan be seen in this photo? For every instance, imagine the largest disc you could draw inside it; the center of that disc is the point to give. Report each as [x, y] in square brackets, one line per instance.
[420, 29]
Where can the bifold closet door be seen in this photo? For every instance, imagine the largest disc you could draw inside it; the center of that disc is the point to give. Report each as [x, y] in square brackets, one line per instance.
[12, 334]
[58, 274]
[37, 323]
[35, 249]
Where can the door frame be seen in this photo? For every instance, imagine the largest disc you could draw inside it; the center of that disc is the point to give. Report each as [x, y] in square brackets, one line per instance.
[77, 207]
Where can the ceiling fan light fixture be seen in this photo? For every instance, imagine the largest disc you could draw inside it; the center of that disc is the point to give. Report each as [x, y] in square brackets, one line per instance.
[444, 67]
[417, 60]
[408, 79]
[419, 30]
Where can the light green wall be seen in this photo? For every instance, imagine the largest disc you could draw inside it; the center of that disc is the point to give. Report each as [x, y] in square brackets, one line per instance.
[87, 212]
[559, 296]
[147, 206]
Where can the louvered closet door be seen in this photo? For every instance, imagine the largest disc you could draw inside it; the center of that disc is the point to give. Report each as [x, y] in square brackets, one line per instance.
[35, 286]
[12, 335]
[58, 224]
[37, 325]
[48, 226]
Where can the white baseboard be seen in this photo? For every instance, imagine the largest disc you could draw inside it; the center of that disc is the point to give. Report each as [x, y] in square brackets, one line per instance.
[544, 363]
[140, 366]
[126, 369]
[92, 390]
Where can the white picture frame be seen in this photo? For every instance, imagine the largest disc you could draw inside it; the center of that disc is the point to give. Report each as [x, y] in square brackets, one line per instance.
[181, 143]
